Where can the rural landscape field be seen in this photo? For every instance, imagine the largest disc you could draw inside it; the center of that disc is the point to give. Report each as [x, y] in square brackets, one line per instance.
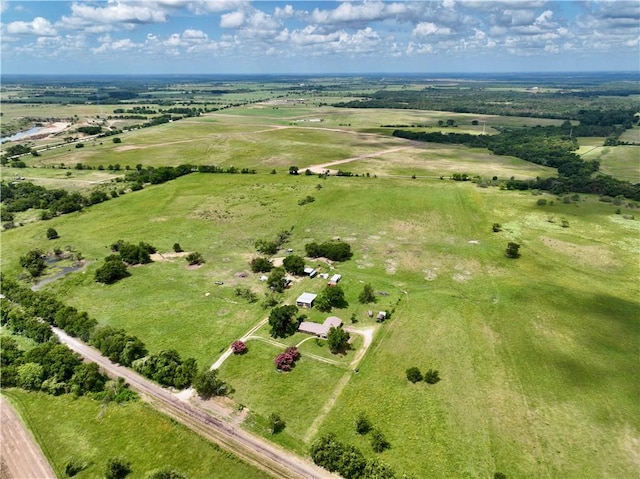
[534, 353]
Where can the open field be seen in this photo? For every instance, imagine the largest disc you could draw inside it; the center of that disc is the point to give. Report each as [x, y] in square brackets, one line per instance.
[618, 161]
[86, 430]
[537, 355]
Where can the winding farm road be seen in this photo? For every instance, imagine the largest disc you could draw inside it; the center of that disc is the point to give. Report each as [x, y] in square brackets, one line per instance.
[249, 447]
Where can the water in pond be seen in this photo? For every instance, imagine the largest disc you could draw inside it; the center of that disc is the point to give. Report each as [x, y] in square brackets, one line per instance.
[21, 134]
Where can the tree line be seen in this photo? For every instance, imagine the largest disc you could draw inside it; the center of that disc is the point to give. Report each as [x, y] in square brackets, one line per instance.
[548, 146]
[166, 367]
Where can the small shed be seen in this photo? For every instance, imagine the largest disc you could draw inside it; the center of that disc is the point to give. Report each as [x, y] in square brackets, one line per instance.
[382, 315]
[305, 300]
[334, 279]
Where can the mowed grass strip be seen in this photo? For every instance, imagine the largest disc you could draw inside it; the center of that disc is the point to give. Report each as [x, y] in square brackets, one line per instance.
[68, 427]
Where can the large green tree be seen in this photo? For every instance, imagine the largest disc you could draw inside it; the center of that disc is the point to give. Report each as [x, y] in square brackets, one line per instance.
[283, 321]
[207, 384]
[294, 264]
[275, 281]
[338, 339]
[367, 295]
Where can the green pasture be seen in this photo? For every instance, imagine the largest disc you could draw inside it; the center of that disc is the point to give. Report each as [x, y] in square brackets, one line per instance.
[86, 430]
[621, 162]
[537, 355]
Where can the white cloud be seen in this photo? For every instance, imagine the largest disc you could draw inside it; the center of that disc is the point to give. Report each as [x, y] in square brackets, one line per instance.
[39, 26]
[232, 20]
[424, 29]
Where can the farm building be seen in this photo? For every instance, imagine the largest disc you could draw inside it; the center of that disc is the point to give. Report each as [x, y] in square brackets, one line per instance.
[310, 271]
[320, 330]
[305, 300]
[382, 315]
[334, 279]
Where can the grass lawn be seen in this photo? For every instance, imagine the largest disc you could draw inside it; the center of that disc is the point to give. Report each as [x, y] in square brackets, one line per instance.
[297, 396]
[86, 430]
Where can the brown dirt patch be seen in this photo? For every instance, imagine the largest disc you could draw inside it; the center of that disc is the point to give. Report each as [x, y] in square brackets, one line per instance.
[168, 256]
[126, 148]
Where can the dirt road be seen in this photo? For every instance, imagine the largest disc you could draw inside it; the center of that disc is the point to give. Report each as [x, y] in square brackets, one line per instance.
[20, 454]
[249, 447]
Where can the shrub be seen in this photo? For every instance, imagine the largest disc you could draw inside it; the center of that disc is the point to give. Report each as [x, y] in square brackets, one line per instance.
[177, 248]
[276, 423]
[238, 347]
[52, 234]
[117, 468]
[261, 265]
[432, 376]
[414, 375]
[379, 442]
[286, 361]
[496, 227]
[194, 258]
[363, 425]
[513, 250]
[111, 271]
[74, 466]
[541, 202]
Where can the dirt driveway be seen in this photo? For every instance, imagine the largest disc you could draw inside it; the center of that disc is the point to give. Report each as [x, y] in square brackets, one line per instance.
[21, 455]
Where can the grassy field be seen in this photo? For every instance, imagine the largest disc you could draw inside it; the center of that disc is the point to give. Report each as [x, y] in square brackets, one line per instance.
[86, 430]
[618, 161]
[537, 355]
[530, 350]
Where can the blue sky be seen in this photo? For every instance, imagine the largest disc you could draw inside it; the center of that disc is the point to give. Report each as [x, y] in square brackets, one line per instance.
[242, 36]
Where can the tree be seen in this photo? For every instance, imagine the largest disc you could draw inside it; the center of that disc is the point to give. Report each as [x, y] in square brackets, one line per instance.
[261, 265]
[194, 258]
[338, 339]
[74, 466]
[117, 140]
[52, 234]
[111, 271]
[414, 375]
[276, 423]
[363, 425]
[283, 321]
[330, 297]
[432, 376]
[33, 262]
[379, 442]
[87, 378]
[293, 170]
[177, 248]
[367, 295]
[266, 247]
[378, 470]
[496, 227]
[117, 468]
[30, 376]
[207, 384]
[294, 264]
[275, 281]
[513, 250]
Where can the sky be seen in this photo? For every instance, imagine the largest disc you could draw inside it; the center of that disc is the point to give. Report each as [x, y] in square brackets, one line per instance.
[318, 37]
